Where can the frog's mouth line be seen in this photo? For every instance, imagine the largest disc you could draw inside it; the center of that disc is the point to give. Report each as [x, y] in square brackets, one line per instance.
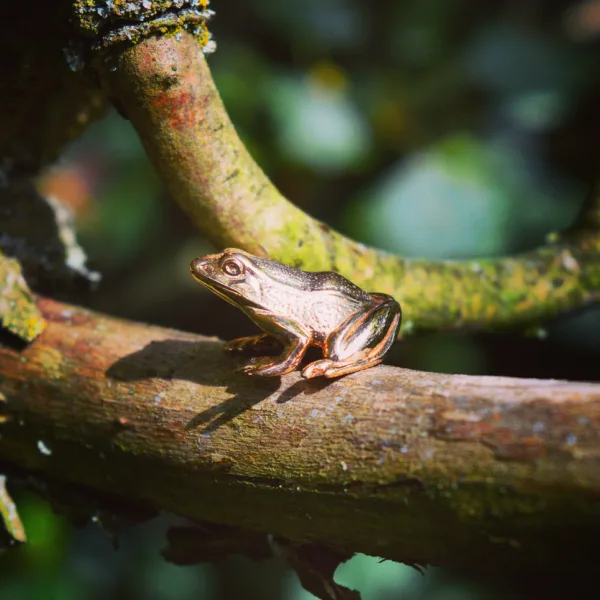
[218, 289]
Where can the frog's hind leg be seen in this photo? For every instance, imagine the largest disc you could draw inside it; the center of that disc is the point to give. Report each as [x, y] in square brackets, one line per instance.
[361, 342]
[263, 344]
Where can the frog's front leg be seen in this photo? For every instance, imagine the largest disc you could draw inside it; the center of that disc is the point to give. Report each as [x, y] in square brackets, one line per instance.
[265, 344]
[295, 339]
[360, 342]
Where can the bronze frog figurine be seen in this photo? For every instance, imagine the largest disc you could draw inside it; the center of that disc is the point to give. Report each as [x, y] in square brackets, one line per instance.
[299, 309]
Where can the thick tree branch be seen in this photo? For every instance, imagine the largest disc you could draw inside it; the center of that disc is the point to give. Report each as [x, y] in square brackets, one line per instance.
[455, 470]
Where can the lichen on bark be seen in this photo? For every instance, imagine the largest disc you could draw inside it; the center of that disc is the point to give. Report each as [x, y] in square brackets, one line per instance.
[18, 311]
[104, 24]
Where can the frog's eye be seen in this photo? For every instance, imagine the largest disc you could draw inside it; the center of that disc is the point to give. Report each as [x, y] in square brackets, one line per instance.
[232, 267]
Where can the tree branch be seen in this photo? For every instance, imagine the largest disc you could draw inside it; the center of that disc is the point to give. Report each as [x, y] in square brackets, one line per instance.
[428, 468]
[166, 89]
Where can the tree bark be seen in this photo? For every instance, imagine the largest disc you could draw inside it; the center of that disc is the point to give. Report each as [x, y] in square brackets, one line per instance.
[488, 472]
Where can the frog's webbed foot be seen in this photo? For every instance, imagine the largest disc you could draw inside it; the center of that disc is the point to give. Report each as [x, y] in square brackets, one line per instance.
[257, 345]
[361, 342]
[331, 368]
[266, 367]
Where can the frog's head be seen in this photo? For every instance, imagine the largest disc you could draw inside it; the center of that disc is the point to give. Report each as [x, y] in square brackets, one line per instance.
[234, 275]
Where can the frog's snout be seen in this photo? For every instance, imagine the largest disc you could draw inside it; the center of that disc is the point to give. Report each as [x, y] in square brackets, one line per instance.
[198, 265]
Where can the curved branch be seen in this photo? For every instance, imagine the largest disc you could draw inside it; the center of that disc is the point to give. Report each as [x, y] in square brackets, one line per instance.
[413, 466]
[166, 89]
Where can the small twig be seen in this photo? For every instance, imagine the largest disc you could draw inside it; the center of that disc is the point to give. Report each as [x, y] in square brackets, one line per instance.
[10, 516]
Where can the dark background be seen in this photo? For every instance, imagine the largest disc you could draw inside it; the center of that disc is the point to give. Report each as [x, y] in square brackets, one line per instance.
[431, 128]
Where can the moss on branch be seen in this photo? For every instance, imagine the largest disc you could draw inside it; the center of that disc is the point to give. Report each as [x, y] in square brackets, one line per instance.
[18, 311]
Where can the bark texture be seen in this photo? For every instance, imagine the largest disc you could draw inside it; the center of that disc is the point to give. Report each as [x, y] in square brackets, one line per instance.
[484, 472]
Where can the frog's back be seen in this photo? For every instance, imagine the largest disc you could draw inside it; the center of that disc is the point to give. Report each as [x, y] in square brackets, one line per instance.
[310, 280]
[320, 301]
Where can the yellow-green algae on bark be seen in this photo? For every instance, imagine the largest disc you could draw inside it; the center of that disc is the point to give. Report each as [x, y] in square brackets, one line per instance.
[166, 90]
[18, 310]
[108, 22]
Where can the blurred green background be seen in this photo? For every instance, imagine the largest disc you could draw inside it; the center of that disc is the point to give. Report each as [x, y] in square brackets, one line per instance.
[431, 128]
